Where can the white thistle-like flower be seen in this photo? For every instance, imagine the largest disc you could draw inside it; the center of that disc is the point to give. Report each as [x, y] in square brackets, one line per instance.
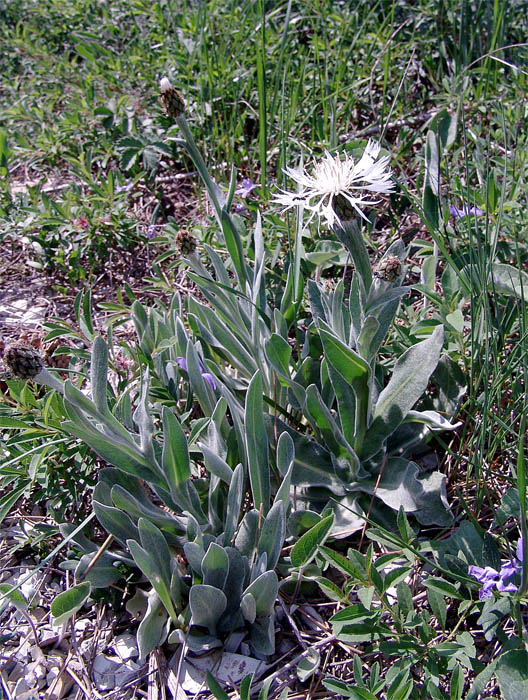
[337, 186]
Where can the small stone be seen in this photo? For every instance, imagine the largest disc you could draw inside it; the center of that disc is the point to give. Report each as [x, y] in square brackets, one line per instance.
[126, 673]
[125, 646]
[104, 672]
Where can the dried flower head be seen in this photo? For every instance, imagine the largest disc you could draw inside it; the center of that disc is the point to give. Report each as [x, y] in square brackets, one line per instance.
[185, 242]
[172, 101]
[337, 187]
[23, 361]
[388, 269]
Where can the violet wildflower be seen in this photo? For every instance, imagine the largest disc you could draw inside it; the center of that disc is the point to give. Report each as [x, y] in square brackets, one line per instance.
[465, 211]
[207, 376]
[245, 188]
[502, 580]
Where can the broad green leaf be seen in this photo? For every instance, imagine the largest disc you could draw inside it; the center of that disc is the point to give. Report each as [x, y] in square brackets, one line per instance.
[67, 603]
[347, 362]
[115, 521]
[15, 597]
[306, 547]
[207, 605]
[408, 383]
[215, 566]
[257, 445]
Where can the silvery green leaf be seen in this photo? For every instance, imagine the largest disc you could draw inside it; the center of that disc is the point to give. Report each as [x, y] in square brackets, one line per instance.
[207, 605]
[194, 553]
[433, 419]
[350, 235]
[115, 521]
[153, 628]
[234, 504]
[233, 587]
[144, 422]
[175, 455]
[257, 445]
[153, 541]
[272, 534]
[302, 520]
[365, 340]
[316, 303]
[102, 575]
[434, 507]
[215, 566]
[262, 636]
[264, 589]
[124, 500]
[324, 423]
[285, 464]
[249, 608]
[313, 465]
[246, 538]
[397, 487]
[407, 384]
[215, 464]
[149, 566]
[200, 387]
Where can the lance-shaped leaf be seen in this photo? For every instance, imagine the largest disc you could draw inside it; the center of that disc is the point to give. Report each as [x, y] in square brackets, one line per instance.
[257, 445]
[323, 421]
[149, 567]
[175, 455]
[272, 535]
[407, 384]
[285, 463]
[234, 504]
[215, 464]
[305, 548]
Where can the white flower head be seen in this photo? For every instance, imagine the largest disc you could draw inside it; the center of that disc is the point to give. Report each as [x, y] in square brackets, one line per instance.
[165, 85]
[338, 185]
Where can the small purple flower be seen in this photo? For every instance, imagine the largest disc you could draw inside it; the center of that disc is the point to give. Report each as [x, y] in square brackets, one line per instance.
[502, 580]
[245, 188]
[465, 211]
[151, 231]
[207, 376]
[209, 379]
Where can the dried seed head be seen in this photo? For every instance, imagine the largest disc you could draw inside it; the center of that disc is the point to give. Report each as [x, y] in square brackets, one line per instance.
[172, 101]
[388, 269]
[185, 242]
[23, 361]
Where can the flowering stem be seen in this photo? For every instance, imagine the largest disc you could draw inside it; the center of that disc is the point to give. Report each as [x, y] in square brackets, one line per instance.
[199, 162]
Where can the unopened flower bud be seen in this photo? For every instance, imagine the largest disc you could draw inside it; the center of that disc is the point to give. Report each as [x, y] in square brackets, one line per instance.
[23, 361]
[171, 99]
[388, 269]
[185, 242]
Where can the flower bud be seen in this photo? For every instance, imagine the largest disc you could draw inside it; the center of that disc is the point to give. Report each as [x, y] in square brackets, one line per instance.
[171, 99]
[343, 209]
[388, 269]
[23, 361]
[185, 243]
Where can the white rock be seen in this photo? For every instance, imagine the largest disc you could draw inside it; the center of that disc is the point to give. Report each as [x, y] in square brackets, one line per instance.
[104, 671]
[125, 646]
[126, 673]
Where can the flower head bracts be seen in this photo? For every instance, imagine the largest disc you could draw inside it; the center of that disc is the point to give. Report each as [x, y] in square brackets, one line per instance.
[502, 580]
[337, 186]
